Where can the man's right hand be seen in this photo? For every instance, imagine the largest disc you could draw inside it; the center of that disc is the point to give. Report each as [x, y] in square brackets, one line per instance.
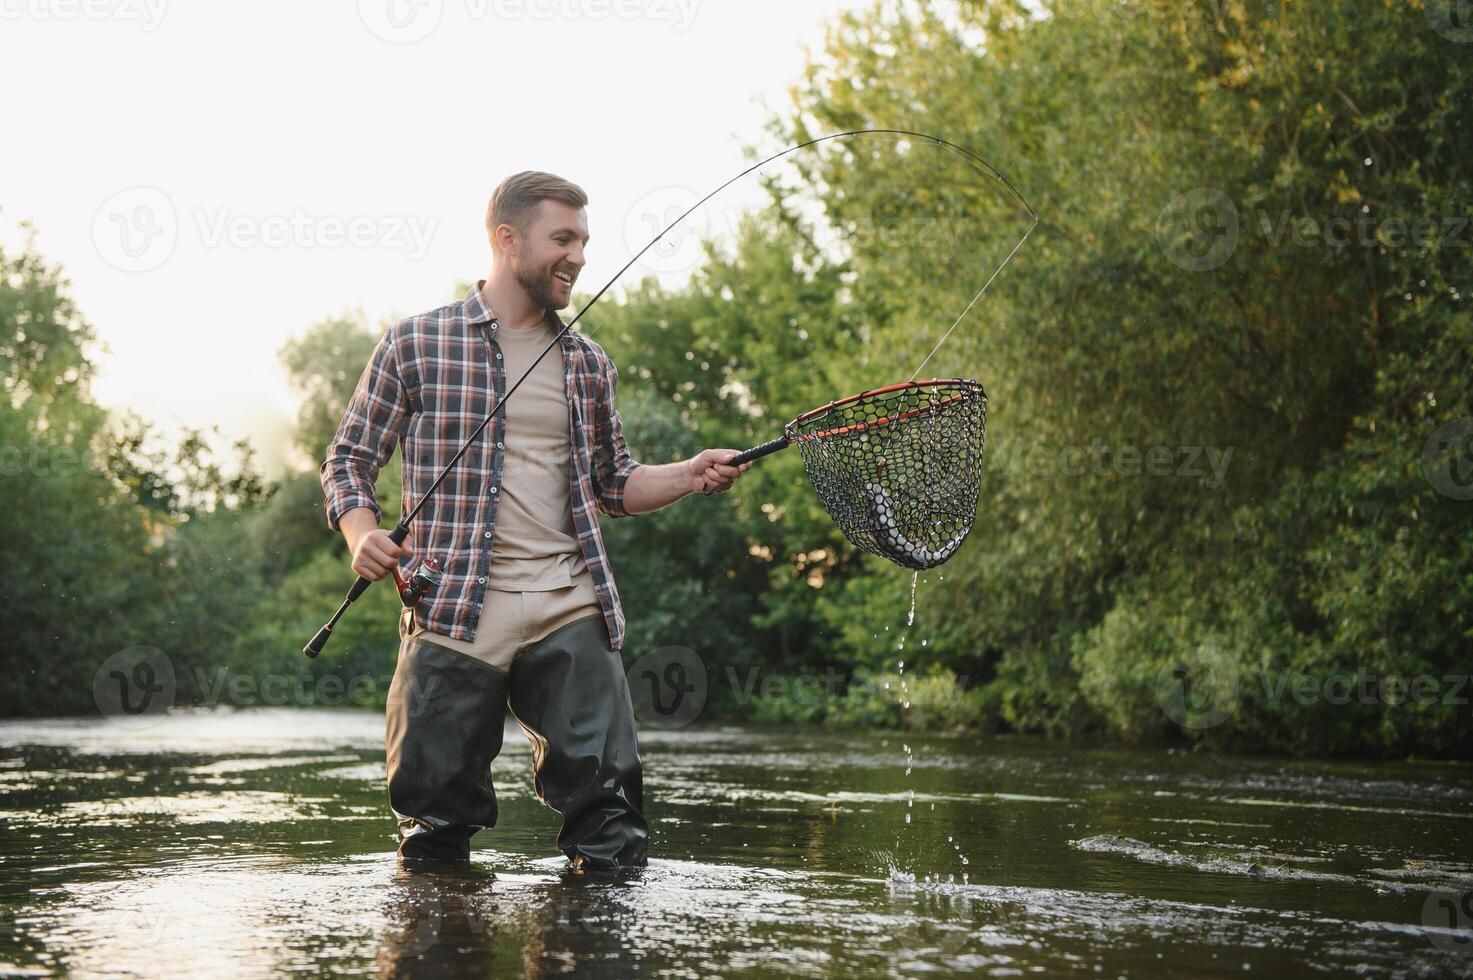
[374, 553]
[377, 554]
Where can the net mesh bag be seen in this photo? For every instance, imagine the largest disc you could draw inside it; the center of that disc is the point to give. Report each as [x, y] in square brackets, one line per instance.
[898, 468]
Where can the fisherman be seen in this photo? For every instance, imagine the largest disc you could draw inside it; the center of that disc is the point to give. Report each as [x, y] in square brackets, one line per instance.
[526, 613]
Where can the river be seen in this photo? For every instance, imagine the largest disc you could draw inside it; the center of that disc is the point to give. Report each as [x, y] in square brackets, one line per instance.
[257, 842]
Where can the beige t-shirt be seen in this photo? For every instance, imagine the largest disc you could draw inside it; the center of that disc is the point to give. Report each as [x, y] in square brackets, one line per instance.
[536, 547]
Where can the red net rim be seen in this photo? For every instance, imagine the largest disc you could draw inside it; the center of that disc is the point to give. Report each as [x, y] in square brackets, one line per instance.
[970, 388]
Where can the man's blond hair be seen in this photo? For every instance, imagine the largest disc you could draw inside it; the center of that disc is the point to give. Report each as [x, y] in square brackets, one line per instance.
[515, 201]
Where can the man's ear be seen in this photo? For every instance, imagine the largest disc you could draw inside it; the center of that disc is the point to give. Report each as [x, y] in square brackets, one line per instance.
[504, 239]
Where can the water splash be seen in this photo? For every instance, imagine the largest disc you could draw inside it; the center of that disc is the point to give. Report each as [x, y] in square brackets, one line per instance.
[911, 617]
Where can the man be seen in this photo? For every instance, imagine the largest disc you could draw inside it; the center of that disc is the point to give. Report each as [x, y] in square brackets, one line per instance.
[526, 613]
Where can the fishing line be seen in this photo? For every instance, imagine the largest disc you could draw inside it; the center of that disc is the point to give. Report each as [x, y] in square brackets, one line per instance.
[401, 531]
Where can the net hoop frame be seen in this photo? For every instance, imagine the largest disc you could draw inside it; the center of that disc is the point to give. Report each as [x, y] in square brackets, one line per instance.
[971, 386]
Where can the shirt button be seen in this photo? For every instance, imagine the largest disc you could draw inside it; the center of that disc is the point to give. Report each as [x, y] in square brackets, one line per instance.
[500, 446]
[488, 534]
[493, 489]
[498, 355]
[481, 580]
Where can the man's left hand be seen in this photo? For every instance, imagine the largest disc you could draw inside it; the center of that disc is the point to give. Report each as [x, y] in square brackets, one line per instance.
[709, 473]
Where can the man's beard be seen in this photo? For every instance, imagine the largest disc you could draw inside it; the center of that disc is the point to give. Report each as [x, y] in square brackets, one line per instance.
[538, 284]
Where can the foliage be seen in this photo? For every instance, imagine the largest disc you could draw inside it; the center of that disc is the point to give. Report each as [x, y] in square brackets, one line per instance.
[1213, 372]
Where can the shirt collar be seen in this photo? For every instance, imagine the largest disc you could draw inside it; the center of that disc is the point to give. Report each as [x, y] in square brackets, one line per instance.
[477, 312]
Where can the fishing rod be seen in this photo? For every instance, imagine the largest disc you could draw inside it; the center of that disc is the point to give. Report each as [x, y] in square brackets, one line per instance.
[427, 574]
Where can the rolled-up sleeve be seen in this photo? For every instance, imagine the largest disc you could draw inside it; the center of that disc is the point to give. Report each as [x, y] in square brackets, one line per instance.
[371, 427]
[612, 463]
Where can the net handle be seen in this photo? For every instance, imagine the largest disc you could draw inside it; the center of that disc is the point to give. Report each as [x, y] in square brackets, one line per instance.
[757, 452]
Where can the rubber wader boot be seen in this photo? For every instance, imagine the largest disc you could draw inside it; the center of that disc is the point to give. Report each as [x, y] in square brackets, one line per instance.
[570, 694]
[445, 715]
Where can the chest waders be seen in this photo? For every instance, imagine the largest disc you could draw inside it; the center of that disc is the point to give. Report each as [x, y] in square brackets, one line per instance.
[445, 715]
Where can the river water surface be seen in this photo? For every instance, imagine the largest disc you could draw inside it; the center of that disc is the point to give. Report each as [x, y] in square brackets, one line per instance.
[259, 842]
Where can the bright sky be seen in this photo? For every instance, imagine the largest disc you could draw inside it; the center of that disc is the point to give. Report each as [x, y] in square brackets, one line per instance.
[214, 178]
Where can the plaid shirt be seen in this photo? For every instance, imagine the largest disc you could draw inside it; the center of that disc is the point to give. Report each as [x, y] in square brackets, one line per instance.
[428, 384]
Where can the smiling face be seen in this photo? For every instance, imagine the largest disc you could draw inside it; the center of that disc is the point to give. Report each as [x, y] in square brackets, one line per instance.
[547, 256]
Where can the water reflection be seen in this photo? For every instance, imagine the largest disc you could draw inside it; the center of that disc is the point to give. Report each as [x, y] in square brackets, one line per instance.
[256, 843]
[444, 921]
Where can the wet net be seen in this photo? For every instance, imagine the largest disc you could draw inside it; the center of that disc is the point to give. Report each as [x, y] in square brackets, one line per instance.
[898, 468]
